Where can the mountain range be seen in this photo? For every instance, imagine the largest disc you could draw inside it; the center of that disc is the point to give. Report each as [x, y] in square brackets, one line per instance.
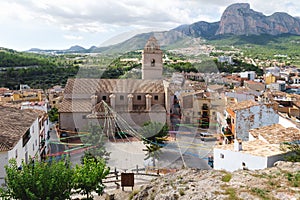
[237, 19]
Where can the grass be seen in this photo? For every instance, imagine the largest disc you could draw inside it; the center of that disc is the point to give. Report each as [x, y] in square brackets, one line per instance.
[133, 193]
[260, 192]
[294, 179]
[181, 192]
[227, 177]
[232, 194]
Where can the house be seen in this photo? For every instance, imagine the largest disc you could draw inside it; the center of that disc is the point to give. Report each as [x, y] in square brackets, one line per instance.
[200, 108]
[19, 136]
[261, 151]
[277, 86]
[44, 124]
[135, 100]
[249, 75]
[246, 115]
[295, 80]
[256, 86]
[55, 96]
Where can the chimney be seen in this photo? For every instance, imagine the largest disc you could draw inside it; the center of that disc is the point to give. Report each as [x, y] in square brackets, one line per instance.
[237, 145]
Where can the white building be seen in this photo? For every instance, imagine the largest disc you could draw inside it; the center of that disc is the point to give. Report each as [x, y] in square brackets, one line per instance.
[246, 115]
[44, 125]
[19, 136]
[295, 80]
[250, 75]
[262, 151]
[278, 86]
[227, 59]
[273, 70]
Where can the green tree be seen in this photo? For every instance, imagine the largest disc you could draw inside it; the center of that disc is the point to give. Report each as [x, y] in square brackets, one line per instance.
[96, 139]
[53, 114]
[294, 149]
[88, 177]
[38, 180]
[154, 136]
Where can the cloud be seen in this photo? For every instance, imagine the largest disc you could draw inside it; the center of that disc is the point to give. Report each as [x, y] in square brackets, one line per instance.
[97, 16]
[73, 37]
[99, 20]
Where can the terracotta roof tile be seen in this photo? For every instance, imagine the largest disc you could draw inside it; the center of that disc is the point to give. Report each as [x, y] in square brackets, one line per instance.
[75, 105]
[92, 86]
[13, 125]
[276, 134]
[242, 105]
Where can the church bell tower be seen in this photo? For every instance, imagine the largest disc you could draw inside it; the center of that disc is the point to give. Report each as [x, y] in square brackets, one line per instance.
[152, 64]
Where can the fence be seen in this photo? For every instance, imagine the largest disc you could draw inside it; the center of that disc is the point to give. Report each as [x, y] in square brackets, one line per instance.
[141, 175]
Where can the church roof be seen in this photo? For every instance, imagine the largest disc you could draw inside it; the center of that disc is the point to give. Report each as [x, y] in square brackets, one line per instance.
[75, 105]
[81, 86]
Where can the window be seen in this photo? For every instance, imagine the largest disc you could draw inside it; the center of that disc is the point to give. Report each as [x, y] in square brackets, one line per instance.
[104, 98]
[199, 113]
[83, 116]
[221, 155]
[153, 62]
[139, 97]
[16, 153]
[26, 137]
[121, 97]
[35, 142]
[156, 97]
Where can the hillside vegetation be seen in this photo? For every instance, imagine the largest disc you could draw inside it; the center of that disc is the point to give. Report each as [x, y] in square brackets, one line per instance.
[263, 47]
[35, 70]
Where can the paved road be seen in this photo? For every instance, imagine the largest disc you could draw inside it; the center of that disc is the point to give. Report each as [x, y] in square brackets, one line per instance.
[55, 148]
[186, 151]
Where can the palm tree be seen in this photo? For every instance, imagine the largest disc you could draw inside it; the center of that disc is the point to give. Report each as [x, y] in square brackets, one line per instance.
[154, 136]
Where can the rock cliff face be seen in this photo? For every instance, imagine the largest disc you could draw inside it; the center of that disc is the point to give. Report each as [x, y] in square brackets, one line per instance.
[239, 19]
[198, 29]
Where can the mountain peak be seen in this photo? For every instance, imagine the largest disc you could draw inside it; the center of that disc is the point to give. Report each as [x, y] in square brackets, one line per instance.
[239, 19]
[245, 6]
[76, 48]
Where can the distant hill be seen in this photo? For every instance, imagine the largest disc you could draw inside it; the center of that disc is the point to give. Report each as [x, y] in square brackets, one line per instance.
[73, 49]
[237, 19]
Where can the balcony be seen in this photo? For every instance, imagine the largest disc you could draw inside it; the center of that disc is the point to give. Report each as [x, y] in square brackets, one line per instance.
[204, 107]
[228, 120]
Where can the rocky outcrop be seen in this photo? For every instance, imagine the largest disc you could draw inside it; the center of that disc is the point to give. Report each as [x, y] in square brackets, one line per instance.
[279, 182]
[239, 19]
[199, 29]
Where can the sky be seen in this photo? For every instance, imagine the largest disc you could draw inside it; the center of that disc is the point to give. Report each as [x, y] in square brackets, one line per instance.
[60, 24]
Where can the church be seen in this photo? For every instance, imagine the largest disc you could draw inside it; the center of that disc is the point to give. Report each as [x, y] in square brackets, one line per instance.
[136, 100]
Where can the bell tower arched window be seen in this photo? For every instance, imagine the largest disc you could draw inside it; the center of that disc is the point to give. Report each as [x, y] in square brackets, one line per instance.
[153, 62]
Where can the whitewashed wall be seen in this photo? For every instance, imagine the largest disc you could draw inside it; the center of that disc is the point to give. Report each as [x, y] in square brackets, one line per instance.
[31, 147]
[254, 117]
[233, 160]
[3, 162]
